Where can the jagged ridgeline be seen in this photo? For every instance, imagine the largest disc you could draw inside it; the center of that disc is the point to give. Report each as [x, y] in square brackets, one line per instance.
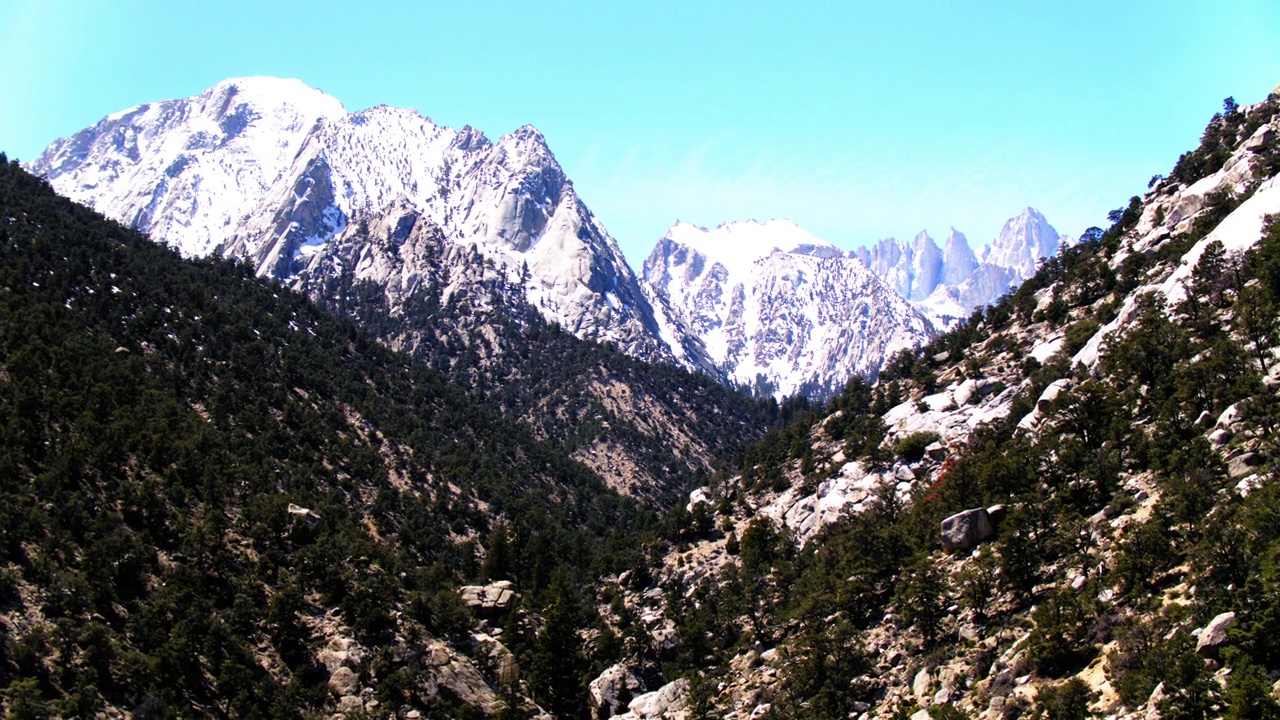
[220, 500]
[1102, 446]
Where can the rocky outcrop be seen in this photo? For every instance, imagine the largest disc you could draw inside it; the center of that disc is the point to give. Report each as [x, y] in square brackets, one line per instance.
[1214, 635]
[489, 600]
[964, 530]
[848, 492]
[303, 524]
[666, 703]
[612, 689]
[446, 669]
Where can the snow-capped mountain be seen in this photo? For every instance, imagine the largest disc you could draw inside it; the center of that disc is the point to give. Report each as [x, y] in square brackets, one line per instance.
[274, 171]
[280, 174]
[778, 309]
[782, 311]
[912, 269]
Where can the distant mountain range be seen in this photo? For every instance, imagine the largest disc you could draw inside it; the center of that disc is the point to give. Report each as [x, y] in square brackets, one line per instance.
[282, 176]
[783, 312]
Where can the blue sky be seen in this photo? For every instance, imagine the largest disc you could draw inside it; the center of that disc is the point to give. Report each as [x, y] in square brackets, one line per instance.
[856, 120]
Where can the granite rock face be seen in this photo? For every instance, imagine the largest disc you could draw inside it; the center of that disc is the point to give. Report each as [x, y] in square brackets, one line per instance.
[494, 598]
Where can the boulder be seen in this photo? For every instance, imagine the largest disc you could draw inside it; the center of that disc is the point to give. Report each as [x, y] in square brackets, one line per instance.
[339, 652]
[996, 513]
[1259, 140]
[666, 639]
[1214, 635]
[1229, 416]
[664, 702]
[949, 678]
[966, 529]
[303, 524]
[615, 685]
[1248, 485]
[940, 402]
[1243, 465]
[344, 681]
[921, 684]
[349, 705]
[487, 600]
[698, 497]
[1051, 393]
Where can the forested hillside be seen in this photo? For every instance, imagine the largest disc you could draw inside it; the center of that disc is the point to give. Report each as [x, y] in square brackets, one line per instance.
[219, 500]
[1064, 508]
[466, 253]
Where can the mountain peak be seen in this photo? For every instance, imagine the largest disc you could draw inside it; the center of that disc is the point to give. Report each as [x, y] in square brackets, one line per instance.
[1023, 242]
[926, 266]
[958, 259]
[526, 134]
[267, 91]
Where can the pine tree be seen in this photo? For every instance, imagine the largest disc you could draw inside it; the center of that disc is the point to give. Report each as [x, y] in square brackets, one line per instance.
[557, 668]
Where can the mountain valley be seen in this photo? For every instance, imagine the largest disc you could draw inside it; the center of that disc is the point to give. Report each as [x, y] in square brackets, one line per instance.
[385, 426]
